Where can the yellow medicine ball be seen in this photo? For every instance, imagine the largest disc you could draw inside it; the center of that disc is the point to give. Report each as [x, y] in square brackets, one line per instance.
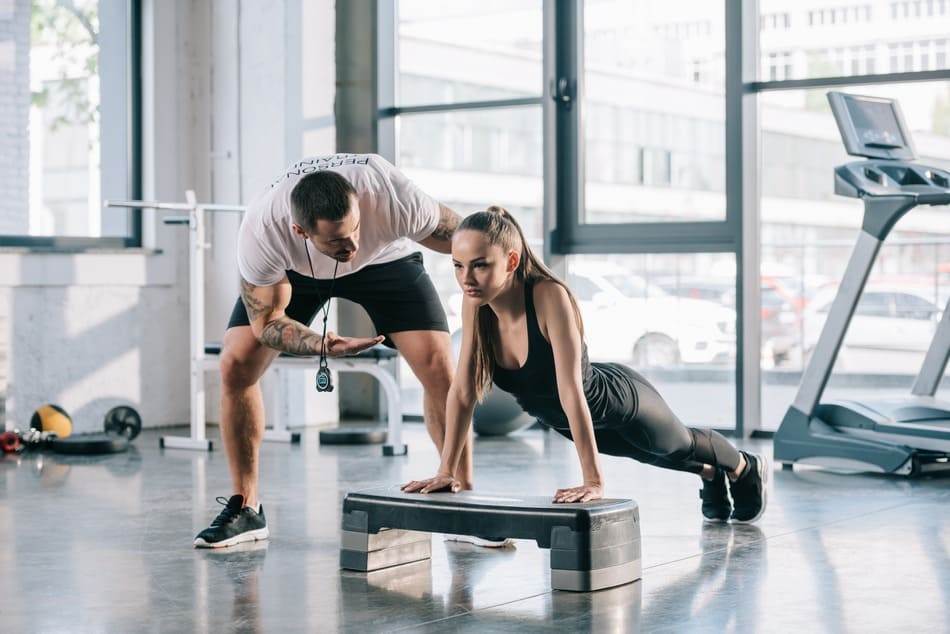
[52, 418]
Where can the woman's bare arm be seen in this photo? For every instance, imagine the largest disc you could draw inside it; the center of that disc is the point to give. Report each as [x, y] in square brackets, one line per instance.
[458, 412]
[556, 319]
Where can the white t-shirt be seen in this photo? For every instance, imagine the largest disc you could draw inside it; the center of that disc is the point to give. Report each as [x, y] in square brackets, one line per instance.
[394, 215]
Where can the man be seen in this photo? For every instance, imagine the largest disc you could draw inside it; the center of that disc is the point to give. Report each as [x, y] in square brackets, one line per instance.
[341, 226]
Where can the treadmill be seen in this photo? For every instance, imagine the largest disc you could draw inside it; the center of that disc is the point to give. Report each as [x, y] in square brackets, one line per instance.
[905, 436]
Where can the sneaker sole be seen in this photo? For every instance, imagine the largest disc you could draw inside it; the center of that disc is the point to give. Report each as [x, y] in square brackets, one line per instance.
[764, 467]
[249, 536]
[715, 520]
[478, 541]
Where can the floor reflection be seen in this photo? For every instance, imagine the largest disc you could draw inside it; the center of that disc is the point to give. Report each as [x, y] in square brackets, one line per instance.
[474, 584]
[719, 593]
[466, 579]
[241, 566]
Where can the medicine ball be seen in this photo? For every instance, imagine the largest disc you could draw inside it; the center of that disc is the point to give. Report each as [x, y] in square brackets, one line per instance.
[52, 418]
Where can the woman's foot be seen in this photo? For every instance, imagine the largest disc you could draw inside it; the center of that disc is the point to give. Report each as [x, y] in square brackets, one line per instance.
[715, 496]
[749, 492]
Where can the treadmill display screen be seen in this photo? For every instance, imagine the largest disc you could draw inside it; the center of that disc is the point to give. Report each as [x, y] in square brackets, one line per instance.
[871, 126]
[875, 123]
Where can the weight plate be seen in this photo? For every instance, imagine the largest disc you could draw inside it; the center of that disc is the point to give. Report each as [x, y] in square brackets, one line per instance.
[124, 421]
[86, 444]
[352, 436]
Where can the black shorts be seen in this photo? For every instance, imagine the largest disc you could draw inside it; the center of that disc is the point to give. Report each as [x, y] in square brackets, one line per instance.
[397, 295]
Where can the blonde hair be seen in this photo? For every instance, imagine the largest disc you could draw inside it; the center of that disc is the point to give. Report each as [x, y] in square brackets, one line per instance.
[503, 230]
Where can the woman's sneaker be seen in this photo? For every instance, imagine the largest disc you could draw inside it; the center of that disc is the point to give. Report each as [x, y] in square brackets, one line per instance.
[715, 496]
[233, 525]
[749, 490]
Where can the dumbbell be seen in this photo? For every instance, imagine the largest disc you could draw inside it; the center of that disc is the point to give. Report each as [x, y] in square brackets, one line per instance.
[123, 421]
[36, 439]
[10, 442]
[16, 441]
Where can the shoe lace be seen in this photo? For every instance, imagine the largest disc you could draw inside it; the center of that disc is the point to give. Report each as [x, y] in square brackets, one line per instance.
[227, 513]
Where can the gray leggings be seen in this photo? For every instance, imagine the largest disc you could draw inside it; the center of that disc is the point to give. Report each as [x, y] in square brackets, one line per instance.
[654, 435]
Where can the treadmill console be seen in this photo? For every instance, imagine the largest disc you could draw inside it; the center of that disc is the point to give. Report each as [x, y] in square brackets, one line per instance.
[874, 127]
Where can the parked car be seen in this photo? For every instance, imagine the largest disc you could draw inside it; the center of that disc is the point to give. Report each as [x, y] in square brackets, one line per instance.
[780, 312]
[890, 331]
[629, 319]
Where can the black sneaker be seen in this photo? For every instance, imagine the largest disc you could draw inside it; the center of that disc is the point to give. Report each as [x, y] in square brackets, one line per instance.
[749, 490]
[715, 496]
[233, 525]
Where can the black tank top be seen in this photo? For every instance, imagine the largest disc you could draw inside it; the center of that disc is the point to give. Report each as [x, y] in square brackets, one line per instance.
[610, 394]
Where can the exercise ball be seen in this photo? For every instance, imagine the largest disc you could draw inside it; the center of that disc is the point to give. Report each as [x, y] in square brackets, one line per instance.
[498, 413]
[52, 418]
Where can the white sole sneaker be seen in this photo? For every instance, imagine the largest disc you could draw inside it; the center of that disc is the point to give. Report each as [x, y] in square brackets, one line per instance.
[248, 536]
[479, 541]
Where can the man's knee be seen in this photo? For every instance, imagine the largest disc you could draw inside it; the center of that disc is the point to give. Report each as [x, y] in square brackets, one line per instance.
[429, 354]
[236, 374]
[242, 364]
[436, 372]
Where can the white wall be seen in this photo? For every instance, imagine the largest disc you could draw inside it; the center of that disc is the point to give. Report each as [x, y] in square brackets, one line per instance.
[92, 330]
[14, 115]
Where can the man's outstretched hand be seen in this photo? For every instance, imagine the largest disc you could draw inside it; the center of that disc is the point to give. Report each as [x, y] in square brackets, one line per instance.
[337, 346]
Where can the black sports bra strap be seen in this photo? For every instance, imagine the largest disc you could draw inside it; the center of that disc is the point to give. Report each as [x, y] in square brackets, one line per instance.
[531, 315]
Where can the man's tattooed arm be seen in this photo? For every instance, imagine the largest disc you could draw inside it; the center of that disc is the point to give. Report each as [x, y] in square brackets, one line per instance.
[265, 309]
[441, 239]
[291, 336]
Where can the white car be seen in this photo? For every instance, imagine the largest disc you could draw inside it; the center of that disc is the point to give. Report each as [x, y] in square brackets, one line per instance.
[890, 331]
[628, 319]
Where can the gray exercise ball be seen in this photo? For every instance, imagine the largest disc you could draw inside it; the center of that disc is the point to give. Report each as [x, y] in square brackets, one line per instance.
[499, 413]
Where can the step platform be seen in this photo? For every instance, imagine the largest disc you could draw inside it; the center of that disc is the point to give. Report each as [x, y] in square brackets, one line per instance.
[594, 545]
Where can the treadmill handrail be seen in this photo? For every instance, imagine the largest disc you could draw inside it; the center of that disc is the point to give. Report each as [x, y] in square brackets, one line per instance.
[934, 200]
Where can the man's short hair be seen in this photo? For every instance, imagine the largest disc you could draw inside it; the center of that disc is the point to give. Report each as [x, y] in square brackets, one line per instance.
[323, 195]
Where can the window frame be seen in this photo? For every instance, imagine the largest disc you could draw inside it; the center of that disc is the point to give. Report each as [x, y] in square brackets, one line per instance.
[121, 149]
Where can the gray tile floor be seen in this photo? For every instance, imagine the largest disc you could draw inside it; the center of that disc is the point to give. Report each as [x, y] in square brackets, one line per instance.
[104, 545]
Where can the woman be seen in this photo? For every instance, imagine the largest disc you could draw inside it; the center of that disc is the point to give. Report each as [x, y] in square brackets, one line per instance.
[522, 330]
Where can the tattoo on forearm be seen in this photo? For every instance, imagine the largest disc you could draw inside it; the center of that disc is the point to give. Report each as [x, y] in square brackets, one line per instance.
[291, 336]
[254, 306]
[448, 222]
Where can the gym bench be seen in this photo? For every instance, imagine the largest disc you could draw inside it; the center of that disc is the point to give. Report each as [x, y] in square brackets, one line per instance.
[378, 362]
[594, 545]
[203, 356]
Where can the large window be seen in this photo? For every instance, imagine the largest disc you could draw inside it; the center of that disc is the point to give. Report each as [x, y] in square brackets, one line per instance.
[466, 118]
[654, 111]
[69, 95]
[467, 124]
